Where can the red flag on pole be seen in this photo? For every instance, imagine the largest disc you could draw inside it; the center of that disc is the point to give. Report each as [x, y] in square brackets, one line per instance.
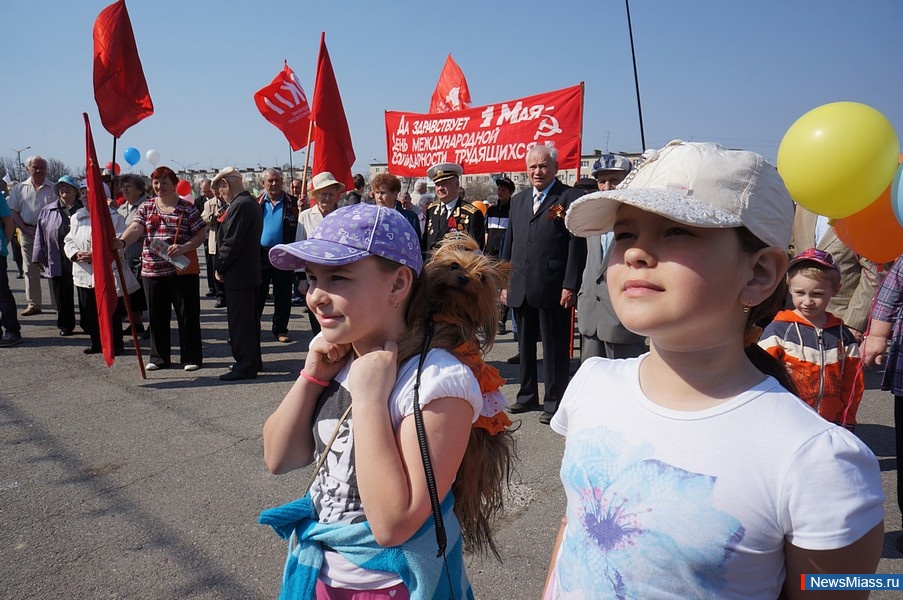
[451, 92]
[332, 140]
[102, 235]
[284, 104]
[119, 85]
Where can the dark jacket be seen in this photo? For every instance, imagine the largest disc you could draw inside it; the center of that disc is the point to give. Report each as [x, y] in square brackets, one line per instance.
[545, 257]
[238, 244]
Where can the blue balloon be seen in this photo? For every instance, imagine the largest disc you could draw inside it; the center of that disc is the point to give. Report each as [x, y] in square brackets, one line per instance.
[896, 194]
[132, 156]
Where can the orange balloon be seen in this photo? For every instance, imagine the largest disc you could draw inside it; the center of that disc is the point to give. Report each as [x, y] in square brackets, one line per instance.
[481, 205]
[873, 232]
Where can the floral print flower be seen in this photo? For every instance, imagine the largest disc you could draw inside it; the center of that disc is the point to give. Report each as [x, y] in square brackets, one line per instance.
[639, 522]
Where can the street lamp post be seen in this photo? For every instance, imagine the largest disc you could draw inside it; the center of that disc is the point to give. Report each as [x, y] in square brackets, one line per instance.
[19, 164]
[184, 167]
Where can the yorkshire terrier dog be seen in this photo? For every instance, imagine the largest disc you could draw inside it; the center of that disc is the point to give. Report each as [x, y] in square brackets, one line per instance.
[464, 291]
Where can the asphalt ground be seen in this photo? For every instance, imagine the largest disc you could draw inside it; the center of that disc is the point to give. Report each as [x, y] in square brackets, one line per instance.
[116, 487]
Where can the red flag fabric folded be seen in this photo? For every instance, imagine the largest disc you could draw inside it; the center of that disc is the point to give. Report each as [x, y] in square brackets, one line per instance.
[284, 104]
[333, 151]
[102, 235]
[451, 92]
[119, 85]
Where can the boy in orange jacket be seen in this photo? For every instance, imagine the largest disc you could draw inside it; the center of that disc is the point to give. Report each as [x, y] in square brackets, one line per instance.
[821, 354]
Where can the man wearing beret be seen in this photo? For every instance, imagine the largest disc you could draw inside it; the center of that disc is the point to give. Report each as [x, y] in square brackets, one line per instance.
[450, 213]
[546, 266]
[238, 267]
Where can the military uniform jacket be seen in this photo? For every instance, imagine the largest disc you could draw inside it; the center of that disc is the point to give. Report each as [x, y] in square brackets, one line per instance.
[466, 218]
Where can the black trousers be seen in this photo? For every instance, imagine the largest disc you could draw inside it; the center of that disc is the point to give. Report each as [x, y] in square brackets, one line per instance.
[554, 326]
[182, 293]
[244, 330]
[283, 284]
[212, 284]
[63, 291]
[87, 308]
[8, 317]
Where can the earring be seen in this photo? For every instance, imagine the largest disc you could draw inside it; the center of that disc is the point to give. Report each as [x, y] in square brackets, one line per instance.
[746, 308]
[396, 304]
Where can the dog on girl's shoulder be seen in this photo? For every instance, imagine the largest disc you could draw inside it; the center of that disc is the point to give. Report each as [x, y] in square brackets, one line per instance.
[465, 286]
[464, 292]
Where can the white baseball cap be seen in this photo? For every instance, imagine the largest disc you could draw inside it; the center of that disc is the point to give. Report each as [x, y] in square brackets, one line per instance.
[698, 184]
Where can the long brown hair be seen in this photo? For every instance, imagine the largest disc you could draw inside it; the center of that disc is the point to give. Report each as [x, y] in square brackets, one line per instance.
[486, 466]
[762, 314]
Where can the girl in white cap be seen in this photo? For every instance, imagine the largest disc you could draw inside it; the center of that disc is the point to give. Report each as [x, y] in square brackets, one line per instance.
[690, 471]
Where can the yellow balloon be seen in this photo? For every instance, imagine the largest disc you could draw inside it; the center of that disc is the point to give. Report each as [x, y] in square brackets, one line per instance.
[837, 158]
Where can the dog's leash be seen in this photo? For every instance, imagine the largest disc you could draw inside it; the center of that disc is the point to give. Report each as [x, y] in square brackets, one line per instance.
[441, 538]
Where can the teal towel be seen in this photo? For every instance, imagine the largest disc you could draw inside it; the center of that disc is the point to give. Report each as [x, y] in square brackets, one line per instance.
[415, 561]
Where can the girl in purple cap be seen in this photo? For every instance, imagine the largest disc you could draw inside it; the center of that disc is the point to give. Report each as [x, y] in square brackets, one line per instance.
[365, 530]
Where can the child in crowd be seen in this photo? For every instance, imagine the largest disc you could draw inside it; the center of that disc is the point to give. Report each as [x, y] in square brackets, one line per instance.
[820, 352]
[690, 472]
[369, 493]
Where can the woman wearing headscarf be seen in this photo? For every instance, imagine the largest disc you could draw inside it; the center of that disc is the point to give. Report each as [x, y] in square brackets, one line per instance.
[52, 227]
[173, 230]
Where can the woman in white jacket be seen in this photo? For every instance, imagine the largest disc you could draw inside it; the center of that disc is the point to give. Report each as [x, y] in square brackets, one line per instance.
[77, 247]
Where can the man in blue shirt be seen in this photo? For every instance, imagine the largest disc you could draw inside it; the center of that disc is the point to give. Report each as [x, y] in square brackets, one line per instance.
[280, 223]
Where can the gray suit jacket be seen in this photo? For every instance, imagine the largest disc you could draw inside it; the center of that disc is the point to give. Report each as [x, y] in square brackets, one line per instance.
[595, 315]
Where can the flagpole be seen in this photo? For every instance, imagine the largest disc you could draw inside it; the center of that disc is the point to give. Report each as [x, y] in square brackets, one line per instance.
[310, 132]
[291, 167]
[636, 78]
[130, 313]
[113, 164]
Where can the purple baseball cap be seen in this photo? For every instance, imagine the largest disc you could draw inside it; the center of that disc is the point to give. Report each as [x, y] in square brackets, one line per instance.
[350, 234]
[817, 256]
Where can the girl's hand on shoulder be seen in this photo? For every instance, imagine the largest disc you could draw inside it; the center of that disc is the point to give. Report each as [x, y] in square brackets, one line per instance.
[325, 359]
[373, 374]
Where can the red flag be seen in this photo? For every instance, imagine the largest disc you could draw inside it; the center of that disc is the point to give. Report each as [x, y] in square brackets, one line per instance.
[451, 92]
[284, 104]
[332, 140]
[119, 85]
[102, 235]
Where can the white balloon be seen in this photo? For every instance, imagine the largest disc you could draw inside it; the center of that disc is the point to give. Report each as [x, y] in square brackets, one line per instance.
[153, 156]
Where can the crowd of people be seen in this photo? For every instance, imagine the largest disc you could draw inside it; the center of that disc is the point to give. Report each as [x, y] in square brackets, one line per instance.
[709, 309]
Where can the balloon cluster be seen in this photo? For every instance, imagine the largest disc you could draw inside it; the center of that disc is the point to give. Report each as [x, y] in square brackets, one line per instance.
[842, 160]
[133, 156]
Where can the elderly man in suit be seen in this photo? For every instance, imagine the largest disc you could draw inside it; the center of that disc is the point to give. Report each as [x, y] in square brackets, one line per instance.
[451, 212]
[601, 332]
[858, 275]
[546, 263]
[238, 266]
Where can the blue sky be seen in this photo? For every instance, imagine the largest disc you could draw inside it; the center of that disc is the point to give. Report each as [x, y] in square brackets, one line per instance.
[739, 73]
